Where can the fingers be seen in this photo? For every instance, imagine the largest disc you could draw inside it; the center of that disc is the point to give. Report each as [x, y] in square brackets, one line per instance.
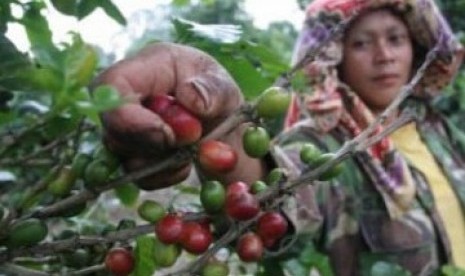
[165, 178]
[209, 95]
[133, 128]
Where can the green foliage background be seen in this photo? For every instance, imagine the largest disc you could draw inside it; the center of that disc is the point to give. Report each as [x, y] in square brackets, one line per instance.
[47, 115]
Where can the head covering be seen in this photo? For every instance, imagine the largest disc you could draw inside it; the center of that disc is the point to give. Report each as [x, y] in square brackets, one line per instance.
[331, 103]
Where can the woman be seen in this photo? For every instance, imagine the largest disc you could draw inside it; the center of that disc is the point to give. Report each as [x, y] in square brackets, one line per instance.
[399, 201]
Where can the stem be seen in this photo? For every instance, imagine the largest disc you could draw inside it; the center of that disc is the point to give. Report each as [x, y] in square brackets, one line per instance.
[71, 244]
[86, 195]
[311, 53]
[11, 269]
[88, 270]
[15, 139]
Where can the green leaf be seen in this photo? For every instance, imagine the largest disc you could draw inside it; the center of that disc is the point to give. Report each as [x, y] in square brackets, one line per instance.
[106, 97]
[313, 259]
[59, 126]
[11, 62]
[80, 63]
[387, 269]
[145, 264]
[187, 189]
[6, 117]
[39, 34]
[254, 67]
[245, 74]
[67, 7]
[86, 7]
[180, 3]
[44, 79]
[295, 268]
[127, 194]
[5, 15]
[450, 270]
[113, 11]
[268, 59]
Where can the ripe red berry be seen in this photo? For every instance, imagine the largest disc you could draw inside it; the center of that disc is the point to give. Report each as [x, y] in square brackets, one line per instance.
[242, 206]
[217, 157]
[249, 247]
[268, 242]
[195, 238]
[119, 261]
[186, 127]
[237, 188]
[271, 226]
[169, 228]
[159, 103]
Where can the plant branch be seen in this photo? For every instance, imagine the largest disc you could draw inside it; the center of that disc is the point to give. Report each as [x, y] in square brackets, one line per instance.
[49, 248]
[15, 139]
[88, 270]
[12, 269]
[52, 145]
[277, 194]
[86, 194]
[181, 155]
[311, 53]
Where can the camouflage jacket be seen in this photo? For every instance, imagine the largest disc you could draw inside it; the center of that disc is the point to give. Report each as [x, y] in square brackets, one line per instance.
[346, 218]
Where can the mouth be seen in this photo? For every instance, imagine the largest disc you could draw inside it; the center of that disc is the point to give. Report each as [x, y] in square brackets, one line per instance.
[386, 78]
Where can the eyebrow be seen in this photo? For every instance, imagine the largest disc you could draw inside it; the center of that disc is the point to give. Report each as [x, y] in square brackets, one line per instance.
[371, 32]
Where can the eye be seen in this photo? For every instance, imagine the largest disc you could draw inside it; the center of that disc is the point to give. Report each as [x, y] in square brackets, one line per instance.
[397, 38]
[360, 43]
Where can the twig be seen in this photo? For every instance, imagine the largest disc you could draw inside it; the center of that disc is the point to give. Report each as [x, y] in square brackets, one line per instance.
[46, 148]
[16, 138]
[30, 163]
[87, 270]
[11, 269]
[38, 187]
[404, 118]
[49, 248]
[311, 53]
[241, 115]
[86, 195]
[38, 260]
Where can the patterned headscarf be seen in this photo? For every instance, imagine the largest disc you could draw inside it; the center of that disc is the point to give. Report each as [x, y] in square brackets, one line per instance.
[331, 103]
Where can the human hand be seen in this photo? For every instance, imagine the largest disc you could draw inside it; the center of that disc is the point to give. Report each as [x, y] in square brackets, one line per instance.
[197, 82]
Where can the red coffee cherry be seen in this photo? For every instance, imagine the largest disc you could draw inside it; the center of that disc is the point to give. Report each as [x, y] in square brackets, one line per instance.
[119, 261]
[217, 157]
[250, 247]
[169, 228]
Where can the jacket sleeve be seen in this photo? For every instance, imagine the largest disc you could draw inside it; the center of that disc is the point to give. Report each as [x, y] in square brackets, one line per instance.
[304, 206]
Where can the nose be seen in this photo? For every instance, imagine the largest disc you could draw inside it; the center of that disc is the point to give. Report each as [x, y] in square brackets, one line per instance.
[384, 52]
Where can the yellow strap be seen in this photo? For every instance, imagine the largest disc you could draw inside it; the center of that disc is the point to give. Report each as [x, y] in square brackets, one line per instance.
[409, 143]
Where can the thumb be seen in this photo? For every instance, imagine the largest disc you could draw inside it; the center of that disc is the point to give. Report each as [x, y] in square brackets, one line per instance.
[209, 95]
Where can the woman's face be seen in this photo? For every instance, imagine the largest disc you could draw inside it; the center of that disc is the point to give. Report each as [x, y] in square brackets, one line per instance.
[377, 58]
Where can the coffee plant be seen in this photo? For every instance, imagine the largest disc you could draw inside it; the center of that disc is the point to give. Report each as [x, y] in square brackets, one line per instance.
[68, 208]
